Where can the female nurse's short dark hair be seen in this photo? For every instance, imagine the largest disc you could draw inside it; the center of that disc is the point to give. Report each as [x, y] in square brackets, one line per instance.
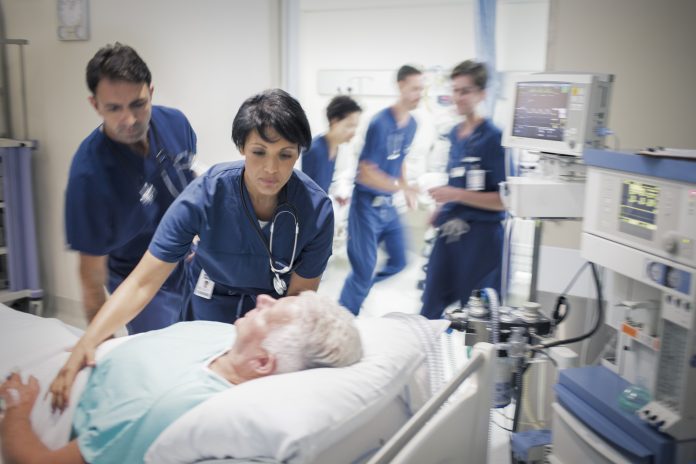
[272, 109]
[340, 107]
[117, 62]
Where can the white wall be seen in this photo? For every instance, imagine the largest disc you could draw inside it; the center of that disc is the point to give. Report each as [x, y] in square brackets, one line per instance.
[206, 57]
[384, 34]
[648, 45]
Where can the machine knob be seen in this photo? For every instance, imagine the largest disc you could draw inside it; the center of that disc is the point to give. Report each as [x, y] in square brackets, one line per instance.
[670, 243]
[674, 278]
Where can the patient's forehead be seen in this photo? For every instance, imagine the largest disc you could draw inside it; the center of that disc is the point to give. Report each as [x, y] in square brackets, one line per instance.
[283, 310]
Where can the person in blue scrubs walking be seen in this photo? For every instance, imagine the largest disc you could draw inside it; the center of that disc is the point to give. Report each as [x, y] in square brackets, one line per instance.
[263, 228]
[467, 253]
[319, 162]
[373, 219]
[123, 178]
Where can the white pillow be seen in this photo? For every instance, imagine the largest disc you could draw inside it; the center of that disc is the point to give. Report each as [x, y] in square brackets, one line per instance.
[294, 417]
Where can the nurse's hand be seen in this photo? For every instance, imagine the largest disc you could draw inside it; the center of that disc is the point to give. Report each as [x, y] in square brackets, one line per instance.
[82, 356]
[411, 194]
[445, 194]
[193, 249]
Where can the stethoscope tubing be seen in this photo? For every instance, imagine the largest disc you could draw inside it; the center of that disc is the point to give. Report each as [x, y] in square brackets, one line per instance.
[269, 246]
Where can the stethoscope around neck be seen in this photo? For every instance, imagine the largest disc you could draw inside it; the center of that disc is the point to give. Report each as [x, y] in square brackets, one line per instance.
[278, 284]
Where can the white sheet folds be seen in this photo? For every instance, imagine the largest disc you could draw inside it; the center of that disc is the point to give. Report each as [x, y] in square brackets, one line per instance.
[39, 347]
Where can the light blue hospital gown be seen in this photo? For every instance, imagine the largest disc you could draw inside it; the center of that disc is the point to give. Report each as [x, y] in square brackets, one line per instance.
[144, 385]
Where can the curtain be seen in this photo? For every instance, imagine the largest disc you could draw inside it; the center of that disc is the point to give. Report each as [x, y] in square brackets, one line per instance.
[484, 27]
[20, 228]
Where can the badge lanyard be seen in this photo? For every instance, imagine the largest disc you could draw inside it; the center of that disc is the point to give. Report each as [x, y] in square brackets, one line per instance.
[148, 191]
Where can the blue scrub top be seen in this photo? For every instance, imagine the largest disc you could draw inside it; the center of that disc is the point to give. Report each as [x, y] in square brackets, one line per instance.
[104, 214]
[386, 145]
[230, 249]
[483, 143]
[317, 164]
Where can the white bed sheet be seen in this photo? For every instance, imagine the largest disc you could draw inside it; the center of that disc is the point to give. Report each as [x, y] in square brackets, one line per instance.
[39, 347]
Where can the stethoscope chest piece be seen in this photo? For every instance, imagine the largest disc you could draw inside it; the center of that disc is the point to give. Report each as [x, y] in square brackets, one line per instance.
[279, 285]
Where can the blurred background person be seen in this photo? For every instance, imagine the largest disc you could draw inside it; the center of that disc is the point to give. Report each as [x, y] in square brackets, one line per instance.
[373, 219]
[467, 253]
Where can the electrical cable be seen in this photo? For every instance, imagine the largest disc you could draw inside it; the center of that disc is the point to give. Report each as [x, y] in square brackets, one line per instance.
[575, 278]
[504, 428]
[553, 361]
[519, 374]
[598, 322]
[562, 307]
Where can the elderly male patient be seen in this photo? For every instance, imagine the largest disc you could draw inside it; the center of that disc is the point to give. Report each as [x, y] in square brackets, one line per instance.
[144, 384]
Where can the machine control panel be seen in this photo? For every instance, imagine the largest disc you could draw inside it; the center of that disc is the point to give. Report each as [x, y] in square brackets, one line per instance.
[651, 214]
[668, 276]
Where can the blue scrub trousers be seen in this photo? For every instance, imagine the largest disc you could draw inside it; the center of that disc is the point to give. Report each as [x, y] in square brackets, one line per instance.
[458, 266]
[368, 226]
[162, 311]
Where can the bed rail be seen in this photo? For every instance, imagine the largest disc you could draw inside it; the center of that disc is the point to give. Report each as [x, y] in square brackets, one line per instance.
[457, 432]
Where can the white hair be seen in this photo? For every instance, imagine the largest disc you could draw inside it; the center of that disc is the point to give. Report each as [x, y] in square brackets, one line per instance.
[322, 334]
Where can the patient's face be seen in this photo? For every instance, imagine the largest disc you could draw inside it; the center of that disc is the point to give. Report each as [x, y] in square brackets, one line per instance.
[268, 314]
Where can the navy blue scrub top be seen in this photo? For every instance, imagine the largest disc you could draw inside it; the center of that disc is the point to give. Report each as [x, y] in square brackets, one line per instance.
[104, 214]
[317, 164]
[230, 250]
[386, 145]
[483, 143]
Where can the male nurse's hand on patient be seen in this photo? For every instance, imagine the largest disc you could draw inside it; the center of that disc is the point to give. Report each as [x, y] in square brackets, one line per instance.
[19, 398]
[82, 356]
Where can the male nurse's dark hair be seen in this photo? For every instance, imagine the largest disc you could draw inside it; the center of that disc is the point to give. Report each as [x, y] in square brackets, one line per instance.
[117, 62]
[406, 71]
[475, 69]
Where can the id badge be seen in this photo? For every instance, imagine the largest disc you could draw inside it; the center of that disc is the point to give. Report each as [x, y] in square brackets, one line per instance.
[475, 179]
[457, 172]
[204, 286]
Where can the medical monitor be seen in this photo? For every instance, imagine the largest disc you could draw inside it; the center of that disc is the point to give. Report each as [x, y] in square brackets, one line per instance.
[558, 113]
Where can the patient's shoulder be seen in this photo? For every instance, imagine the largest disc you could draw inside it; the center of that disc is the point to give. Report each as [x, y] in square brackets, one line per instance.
[195, 330]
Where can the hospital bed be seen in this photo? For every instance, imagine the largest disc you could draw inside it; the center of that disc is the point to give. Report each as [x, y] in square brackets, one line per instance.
[322, 416]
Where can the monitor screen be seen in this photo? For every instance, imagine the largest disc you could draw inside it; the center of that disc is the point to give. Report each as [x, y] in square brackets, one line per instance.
[638, 208]
[541, 110]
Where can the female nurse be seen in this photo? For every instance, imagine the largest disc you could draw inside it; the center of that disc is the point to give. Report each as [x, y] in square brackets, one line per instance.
[264, 228]
[319, 162]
